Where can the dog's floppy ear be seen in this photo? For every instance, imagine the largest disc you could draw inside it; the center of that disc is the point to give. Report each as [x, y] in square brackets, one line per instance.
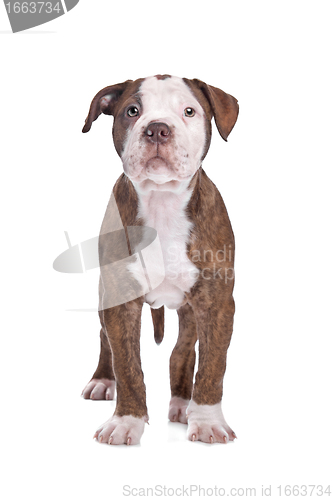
[104, 102]
[223, 106]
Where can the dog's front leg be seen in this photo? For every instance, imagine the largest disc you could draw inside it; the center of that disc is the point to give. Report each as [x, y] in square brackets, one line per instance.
[122, 325]
[213, 307]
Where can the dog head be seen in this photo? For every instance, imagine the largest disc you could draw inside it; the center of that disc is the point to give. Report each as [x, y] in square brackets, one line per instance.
[162, 126]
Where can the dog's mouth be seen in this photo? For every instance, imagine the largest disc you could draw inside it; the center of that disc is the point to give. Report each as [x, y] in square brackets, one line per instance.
[158, 173]
[158, 170]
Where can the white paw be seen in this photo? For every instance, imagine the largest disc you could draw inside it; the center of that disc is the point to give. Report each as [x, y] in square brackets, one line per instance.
[177, 409]
[101, 388]
[121, 430]
[206, 423]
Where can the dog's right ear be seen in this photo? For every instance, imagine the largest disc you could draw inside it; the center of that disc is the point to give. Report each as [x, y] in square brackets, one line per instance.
[104, 102]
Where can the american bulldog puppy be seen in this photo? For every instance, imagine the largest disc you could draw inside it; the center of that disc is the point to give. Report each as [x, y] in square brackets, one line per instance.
[162, 132]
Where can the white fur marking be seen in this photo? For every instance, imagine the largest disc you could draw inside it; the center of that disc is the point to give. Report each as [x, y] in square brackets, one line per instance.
[102, 388]
[206, 422]
[161, 175]
[177, 409]
[121, 430]
[165, 211]
[165, 101]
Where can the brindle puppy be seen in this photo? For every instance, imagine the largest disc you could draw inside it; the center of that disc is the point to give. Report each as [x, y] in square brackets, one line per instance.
[162, 132]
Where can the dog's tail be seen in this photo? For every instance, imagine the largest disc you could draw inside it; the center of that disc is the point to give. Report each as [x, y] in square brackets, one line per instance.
[158, 321]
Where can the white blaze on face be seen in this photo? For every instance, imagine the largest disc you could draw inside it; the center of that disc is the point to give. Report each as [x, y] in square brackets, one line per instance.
[180, 156]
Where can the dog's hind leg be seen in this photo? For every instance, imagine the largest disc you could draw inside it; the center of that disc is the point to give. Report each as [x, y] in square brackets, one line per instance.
[102, 384]
[182, 363]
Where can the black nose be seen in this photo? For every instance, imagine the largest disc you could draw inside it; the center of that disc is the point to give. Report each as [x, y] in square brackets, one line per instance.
[157, 132]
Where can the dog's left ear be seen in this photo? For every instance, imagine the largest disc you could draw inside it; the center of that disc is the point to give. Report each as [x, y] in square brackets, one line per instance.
[104, 102]
[224, 107]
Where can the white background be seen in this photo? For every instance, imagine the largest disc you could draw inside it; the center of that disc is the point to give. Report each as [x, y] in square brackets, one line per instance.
[275, 177]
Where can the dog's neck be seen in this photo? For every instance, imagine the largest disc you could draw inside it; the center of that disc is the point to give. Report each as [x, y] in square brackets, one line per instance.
[158, 208]
[166, 212]
[161, 206]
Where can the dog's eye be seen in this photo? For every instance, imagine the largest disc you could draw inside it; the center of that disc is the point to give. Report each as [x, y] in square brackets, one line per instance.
[133, 111]
[189, 112]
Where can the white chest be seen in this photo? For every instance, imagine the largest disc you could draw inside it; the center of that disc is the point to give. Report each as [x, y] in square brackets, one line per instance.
[165, 212]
